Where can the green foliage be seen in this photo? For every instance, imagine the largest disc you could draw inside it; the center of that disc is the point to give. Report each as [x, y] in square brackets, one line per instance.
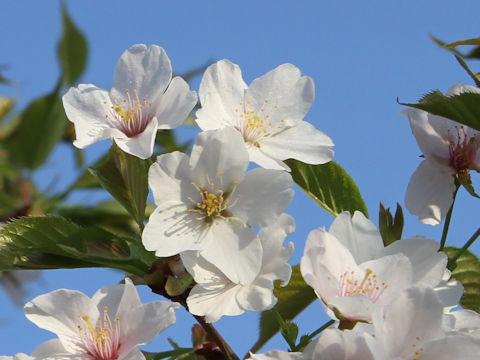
[41, 127]
[467, 271]
[52, 242]
[390, 227]
[179, 353]
[292, 300]
[329, 185]
[463, 108]
[125, 177]
[72, 50]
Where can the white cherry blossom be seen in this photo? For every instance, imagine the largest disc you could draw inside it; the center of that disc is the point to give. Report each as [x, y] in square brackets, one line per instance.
[450, 150]
[144, 98]
[110, 325]
[411, 328]
[353, 273]
[216, 295]
[269, 113]
[208, 203]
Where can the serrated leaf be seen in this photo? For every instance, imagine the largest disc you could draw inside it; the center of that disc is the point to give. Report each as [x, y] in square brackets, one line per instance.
[329, 185]
[125, 177]
[467, 271]
[52, 242]
[40, 128]
[72, 50]
[463, 108]
[292, 300]
[390, 227]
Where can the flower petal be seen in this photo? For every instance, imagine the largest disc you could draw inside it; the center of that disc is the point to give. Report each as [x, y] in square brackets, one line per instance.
[214, 302]
[176, 104]
[286, 88]
[171, 229]
[86, 106]
[146, 70]
[49, 350]
[235, 250]
[428, 264]
[358, 234]
[302, 142]
[140, 145]
[263, 196]
[169, 178]
[218, 157]
[263, 160]
[430, 193]
[223, 78]
[60, 312]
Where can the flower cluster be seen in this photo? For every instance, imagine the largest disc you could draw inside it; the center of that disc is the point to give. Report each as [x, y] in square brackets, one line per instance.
[225, 220]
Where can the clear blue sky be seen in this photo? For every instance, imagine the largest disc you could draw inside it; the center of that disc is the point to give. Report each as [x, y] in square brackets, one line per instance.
[361, 55]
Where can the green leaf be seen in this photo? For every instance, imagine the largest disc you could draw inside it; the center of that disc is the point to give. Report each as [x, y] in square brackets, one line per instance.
[125, 177]
[168, 142]
[168, 354]
[474, 41]
[467, 271]
[40, 128]
[292, 300]
[390, 228]
[463, 108]
[6, 104]
[329, 185]
[52, 242]
[72, 50]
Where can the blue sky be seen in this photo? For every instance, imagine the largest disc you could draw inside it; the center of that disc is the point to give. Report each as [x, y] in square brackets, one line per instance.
[362, 56]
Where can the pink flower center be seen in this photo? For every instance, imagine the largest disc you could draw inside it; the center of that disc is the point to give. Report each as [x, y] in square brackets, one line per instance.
[463, 151]
[367, 284]
[101, 342]
[129, 115]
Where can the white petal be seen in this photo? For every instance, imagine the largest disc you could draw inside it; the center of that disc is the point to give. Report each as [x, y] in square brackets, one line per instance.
[218, 157]
[265, 161]
[257, 296]
[235, 250]
[263, 196]
[169, 178]
[458, 347]
[140, 325]
[203, 272]
[431, 133]
[324, 260]
[285, 88]
[140, 145]
[224, 78]
[335, 344]
[303, 142]
[458, 89]
[413, 318]
[427, 263]
[49, 350]
[275, 256]
[430, 193]
[214, 302]
[146, 70]
[277, 355]
[358, 234]
[213, 115]
[176, 104]
[171, 229]
[60, 312]
[87, 106]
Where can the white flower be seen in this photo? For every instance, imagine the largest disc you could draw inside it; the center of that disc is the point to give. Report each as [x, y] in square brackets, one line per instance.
[277, 355]
[144, 98]
[215, 295]
[353, 273]
[110, 325]
[336, 344]
[269, 113]
[19, 356]
[207, 203]
[410, 328]
[450, 150]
